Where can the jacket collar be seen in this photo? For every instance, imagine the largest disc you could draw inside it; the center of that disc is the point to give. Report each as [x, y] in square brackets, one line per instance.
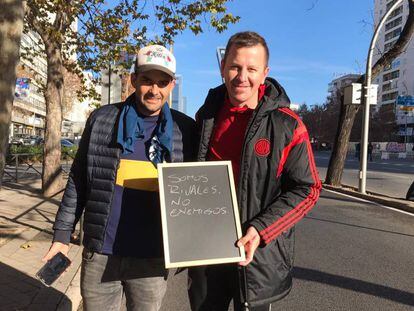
[274, 97]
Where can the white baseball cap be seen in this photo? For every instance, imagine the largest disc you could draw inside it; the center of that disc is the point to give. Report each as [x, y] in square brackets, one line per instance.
[155, 57]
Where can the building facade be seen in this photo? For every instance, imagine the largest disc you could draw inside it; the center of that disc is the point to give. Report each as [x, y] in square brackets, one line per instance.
[398, 78]
[341, 82]
[29, 108]
[178, 101]
[29, 105]
[112, 85]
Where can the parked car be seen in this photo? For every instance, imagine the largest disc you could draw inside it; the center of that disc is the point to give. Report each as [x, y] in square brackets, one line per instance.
[66, 143]
[33, 140]
[39, 141]
[17, 139]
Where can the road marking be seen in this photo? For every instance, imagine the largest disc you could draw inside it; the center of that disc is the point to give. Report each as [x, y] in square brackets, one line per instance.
[367, 201]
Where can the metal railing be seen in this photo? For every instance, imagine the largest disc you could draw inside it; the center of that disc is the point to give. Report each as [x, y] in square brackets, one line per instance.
[22, 163]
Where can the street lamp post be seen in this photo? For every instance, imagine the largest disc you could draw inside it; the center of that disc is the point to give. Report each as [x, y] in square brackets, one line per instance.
[366, 100]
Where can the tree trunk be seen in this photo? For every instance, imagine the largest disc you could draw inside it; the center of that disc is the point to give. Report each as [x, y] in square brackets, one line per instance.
[340, 148]
[11, 27]
[52, 180]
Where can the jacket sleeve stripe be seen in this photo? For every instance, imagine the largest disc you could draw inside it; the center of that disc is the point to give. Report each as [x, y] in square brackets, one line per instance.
[299, 136]
[292, 114]
[284, 221]
[300, 210]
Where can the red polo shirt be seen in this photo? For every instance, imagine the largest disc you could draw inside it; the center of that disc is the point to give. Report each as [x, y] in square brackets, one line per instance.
[228, 134]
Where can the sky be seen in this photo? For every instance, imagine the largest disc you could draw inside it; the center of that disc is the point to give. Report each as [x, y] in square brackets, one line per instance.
[311, 42]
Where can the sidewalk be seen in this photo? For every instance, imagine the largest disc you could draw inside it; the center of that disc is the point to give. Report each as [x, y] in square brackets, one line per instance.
[26, 220]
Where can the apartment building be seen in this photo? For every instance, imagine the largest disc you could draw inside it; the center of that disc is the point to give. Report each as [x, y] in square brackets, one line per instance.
[29, 108]
[341, 82]
[178, 101]
[398, 78]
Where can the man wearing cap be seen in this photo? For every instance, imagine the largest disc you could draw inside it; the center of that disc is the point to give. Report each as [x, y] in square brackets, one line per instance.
[113, 181]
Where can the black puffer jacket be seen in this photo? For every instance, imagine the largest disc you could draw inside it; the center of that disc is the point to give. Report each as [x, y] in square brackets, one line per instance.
[278, 185]
[92, 177]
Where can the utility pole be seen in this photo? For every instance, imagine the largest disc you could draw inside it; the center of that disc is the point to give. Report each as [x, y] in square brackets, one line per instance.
[366, 101]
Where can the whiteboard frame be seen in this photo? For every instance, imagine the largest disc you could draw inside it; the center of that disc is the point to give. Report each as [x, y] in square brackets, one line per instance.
[200, 262]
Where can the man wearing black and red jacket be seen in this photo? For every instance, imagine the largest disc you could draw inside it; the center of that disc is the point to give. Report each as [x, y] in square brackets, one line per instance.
[247, 120]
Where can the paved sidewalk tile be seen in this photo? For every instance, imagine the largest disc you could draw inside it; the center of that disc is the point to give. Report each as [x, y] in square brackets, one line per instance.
[26, 220]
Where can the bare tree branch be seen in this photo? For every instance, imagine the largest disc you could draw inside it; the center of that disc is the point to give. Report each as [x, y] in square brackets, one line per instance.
[314, 3]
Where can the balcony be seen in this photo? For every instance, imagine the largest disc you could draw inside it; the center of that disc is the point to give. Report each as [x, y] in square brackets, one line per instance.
[390, 95]
[387, 102]
[391, 76]
[396, 13]
[34, 107]
[392, 24]
[392, 34]
[28, 120]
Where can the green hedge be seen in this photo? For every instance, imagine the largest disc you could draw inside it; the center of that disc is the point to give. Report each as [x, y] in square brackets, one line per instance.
[36, 153]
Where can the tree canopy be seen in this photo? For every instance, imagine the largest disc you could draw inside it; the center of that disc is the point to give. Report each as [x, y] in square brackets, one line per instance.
[85, 35]
[97, 33]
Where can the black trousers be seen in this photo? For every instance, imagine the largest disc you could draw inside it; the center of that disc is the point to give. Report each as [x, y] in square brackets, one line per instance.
[211, 288]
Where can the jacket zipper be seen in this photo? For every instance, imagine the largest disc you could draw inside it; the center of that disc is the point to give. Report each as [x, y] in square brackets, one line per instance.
[242, 156]
[243, 271]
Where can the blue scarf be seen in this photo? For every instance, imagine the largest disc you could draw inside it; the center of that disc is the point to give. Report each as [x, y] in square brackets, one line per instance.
[131, 128]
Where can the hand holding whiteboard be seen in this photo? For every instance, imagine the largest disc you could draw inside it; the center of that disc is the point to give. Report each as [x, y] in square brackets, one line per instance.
[200, 217]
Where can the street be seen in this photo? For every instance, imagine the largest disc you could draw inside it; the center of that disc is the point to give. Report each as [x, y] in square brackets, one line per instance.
[390, 177]
[350, 255]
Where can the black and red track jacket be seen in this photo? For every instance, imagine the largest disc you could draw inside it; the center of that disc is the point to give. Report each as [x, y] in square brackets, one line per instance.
[278, 185]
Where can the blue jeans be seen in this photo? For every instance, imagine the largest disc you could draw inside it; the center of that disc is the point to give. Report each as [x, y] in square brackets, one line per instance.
[106, 278]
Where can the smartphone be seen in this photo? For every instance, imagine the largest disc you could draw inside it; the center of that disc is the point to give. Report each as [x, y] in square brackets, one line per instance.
[51, 271]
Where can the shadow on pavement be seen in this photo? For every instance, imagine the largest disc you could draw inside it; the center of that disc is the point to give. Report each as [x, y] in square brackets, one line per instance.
[9, 232]
[31, 190]
[19, 291]
[17, 222]
[354, 285]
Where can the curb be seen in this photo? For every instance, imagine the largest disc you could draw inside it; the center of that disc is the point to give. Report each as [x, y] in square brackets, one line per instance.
[400, 204]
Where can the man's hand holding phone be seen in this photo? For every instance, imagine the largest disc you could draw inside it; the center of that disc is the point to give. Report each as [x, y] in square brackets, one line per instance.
[56, 263]
[54, 249]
